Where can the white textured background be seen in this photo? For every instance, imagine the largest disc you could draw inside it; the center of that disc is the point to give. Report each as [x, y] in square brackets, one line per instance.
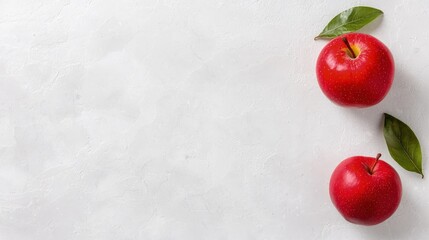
[192, 119]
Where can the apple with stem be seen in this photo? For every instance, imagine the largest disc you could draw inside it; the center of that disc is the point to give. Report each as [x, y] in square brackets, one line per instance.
[355, 70]
[365, 190]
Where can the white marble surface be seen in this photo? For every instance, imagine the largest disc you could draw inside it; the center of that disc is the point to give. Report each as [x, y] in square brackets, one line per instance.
[162, 119]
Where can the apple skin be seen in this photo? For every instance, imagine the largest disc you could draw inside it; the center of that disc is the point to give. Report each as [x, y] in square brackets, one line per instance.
[365, 198]
[355, 82]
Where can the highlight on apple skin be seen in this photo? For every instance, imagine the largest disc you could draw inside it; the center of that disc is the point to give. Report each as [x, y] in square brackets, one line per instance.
[355, 70]
[365, 190]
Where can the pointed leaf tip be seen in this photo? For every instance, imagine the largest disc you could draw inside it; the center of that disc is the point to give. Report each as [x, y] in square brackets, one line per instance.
[349, 20]
[403, 145]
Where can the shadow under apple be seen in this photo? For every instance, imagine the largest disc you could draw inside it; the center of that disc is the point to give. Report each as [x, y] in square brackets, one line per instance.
[400, 225]
[403, 101]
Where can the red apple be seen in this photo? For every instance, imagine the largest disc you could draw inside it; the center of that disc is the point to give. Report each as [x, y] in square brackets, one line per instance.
[365, 190]
[355, 70]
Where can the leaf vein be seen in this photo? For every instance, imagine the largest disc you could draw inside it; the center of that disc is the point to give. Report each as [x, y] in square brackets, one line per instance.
[346, 23]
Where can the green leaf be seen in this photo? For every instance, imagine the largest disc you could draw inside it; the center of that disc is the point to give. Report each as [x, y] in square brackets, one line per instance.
[403, 144]
[350, 20]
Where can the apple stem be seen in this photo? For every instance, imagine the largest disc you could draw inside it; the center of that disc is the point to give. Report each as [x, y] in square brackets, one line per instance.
[376, 161]
[349, 47]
